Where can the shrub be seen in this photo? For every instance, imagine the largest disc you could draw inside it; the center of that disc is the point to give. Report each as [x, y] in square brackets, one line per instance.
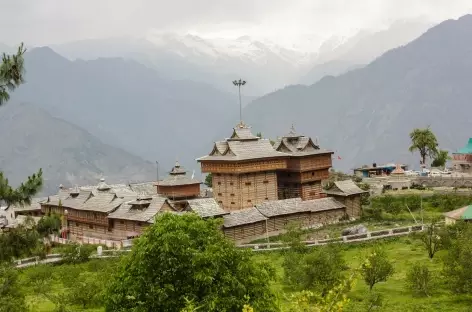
[418, 279]
[77, 253]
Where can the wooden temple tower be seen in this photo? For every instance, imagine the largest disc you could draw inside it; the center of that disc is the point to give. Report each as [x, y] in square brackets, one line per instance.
[248, 170]
[307, 166]
[178, 187]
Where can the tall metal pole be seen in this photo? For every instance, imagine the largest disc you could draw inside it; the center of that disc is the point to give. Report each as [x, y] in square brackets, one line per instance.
[240, 105]
[240, 83]
[157, 173]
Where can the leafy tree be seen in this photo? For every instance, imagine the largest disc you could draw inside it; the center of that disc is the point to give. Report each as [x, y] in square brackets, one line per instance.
[335, 300]
[440, 159]
[87, 290]
[12, 299]
[18, 242]
[183, 257]
[376, 268]
[11, 73]
[48, 225]
[322, 269]
[209, 180]
[11, 76]
[419, 279]
[23, 194]
[457, 263]
[433, 238]
[424, 141]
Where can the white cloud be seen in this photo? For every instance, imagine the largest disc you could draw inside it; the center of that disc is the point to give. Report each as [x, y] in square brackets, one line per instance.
[52, 21]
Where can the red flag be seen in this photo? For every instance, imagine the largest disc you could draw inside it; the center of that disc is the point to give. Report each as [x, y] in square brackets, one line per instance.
[339, 158]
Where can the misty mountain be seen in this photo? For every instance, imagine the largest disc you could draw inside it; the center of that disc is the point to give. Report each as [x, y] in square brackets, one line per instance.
[32, 139]
[129, 105]
[366, 114]
[330, 68]
[265, 65]
[340, 55]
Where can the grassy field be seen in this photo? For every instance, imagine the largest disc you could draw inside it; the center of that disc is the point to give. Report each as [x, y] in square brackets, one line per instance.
[403, 253]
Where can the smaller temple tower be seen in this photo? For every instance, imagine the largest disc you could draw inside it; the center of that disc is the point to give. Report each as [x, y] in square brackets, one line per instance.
[307, 166]
[178, 186]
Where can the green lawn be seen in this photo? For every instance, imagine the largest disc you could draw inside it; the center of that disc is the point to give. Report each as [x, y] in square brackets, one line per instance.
[403, 252]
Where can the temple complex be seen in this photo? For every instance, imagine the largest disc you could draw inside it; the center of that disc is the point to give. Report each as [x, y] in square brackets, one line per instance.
[248, 170]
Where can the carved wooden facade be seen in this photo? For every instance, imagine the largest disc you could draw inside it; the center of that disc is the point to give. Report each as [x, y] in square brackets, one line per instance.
[247, 170]
[238, 191]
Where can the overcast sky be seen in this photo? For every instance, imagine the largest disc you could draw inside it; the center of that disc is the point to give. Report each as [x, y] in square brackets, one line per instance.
[42, 22]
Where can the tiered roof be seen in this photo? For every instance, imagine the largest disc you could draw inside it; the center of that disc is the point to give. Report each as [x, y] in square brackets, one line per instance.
[177, 176]
[242, 145]
[298, 145]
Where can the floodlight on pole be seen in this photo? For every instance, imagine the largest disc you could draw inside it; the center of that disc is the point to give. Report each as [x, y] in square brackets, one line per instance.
[240, 83]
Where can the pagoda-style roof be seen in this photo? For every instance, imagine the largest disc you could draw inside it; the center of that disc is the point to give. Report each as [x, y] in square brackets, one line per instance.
[177, 176]
[177, 169]
[466, 149]
[242, 145]
[298, 145]
[242, 132]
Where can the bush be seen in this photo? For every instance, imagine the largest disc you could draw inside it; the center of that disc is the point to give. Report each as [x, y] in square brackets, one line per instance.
[418, 279]
[77, 253]
[319, 270]
[457, 262]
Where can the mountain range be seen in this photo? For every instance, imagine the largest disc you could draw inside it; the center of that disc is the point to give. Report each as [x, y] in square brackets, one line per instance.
[129, 105]
[32, 139]
[339, 55]
[365, 115]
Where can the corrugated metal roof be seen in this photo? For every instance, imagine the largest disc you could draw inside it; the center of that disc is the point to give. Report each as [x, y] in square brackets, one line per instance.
[464, 213]
[244, 216]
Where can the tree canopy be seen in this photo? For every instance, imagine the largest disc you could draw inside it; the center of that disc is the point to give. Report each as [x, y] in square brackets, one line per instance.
[11, 73]
[424, 141]
[11, 76]
[183, 258]
[440, 159]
